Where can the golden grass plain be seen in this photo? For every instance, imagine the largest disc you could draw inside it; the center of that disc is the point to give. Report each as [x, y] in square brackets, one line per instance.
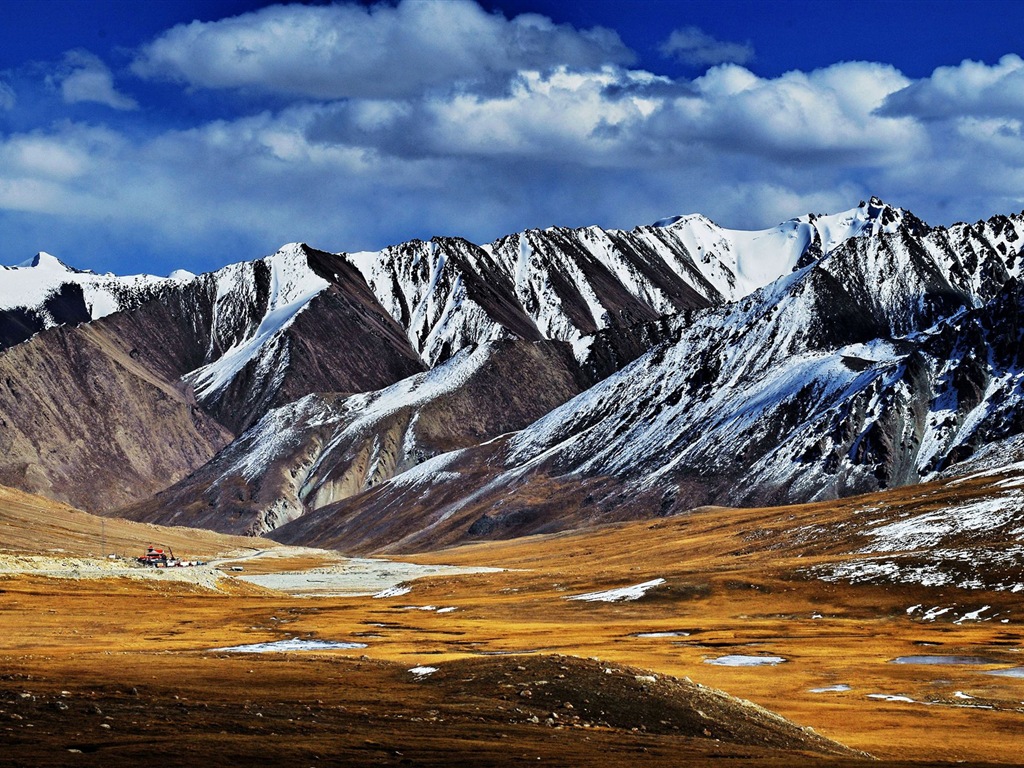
[141, 653]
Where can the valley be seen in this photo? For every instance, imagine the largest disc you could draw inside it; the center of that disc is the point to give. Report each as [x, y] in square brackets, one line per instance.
[520, 671]
[673, 494]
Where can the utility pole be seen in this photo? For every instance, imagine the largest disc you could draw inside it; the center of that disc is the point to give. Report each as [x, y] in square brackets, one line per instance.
[103, 537]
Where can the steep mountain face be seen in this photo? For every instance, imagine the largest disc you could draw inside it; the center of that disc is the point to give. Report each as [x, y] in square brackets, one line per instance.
[877, 365]
[275, 331]
[605, 293]
[111, 411]
[84, 422]
[325, 447]
[565, 285]
[438, 391]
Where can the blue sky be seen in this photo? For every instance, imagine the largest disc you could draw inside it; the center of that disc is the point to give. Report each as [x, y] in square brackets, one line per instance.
[148, 136]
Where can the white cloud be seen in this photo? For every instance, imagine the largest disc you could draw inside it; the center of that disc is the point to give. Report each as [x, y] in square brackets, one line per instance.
[7, 97]
[693, 45]
[627, 118]
[339, 51]
[555, 145]
[84, 77]
[970, 89]
[800, 117]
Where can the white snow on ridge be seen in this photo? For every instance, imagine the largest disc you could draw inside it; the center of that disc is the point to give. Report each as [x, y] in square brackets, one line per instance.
[292, 286]
[738, 262]
[423, 287]
[31, 283]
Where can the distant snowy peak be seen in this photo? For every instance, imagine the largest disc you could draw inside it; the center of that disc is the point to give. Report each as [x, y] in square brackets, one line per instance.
[738, 262]
[47, 262]
[565, 284]
[44, 292]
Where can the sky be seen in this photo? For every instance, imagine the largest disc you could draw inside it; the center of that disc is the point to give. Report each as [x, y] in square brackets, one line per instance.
[153, 136]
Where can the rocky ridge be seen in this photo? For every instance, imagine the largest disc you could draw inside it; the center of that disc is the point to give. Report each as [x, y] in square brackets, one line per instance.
[475, 388]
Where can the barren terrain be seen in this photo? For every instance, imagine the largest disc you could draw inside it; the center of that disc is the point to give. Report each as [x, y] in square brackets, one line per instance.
[508, 669]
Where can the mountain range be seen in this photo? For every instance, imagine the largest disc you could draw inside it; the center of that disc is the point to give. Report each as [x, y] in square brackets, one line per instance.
[438, 392]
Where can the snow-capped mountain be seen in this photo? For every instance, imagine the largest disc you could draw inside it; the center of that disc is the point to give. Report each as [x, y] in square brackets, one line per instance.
[325, 447]
[440, 390]
[884, 361]
[43, 292]
[565, 284]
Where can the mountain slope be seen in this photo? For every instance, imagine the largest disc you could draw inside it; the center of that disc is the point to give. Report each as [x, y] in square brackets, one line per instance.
[646, 371]
[884, 361]
[104, 413]
[85, 423]
[44, 292]
[326, 447]
[564, 284]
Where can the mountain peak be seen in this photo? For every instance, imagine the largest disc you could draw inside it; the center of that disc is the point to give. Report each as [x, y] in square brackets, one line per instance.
[48, 262]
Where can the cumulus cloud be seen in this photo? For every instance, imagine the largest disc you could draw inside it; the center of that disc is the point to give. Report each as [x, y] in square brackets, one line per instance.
[560, 115]
[824, 116]
[969, 89]
[692, 45]
[577, 142]
[379, 51]
[84, 77]
[615, 117]
[7, 97]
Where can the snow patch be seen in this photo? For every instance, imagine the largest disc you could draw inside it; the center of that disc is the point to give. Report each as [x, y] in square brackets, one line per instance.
[739, 660]
[634, 592]
[396, 591]
[290, 645]
[292, 286]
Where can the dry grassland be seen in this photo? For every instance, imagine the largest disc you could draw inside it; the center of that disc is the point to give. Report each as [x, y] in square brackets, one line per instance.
[137, 657]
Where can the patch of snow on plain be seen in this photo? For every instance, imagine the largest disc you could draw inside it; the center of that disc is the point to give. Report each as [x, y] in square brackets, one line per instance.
[832, 688]
[290, 645]
[739, 660]
[973, 615]
[423, 671]
[929, 529]
[634, 592]
[396, 591]
[891, 697]
[933, 613]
